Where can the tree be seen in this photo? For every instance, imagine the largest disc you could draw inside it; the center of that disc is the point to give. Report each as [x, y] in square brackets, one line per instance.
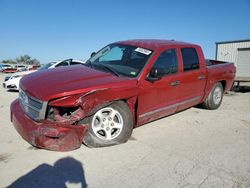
[33, 62]
[8, 61]
[23, 59]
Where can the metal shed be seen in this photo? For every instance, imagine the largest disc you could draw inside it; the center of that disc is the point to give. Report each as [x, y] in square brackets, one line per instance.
[238, 52]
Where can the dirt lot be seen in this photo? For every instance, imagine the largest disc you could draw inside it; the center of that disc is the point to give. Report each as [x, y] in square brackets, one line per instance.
[194, 148]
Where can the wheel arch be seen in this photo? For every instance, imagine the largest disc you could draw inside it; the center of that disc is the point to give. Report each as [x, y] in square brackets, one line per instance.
[130, 102]
[224, 84]
[209, 102]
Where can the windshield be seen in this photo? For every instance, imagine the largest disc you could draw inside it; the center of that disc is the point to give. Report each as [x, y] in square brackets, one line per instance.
[6, 66]
[46, 66]
[120, 59]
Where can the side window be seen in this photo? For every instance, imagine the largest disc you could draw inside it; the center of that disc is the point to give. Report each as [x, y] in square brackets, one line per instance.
[167, 62]
[190, 59]
[64, 63]
[75, 63]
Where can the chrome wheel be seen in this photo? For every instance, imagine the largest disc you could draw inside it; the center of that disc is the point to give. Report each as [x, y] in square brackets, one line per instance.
[217, 95]
[107, 123]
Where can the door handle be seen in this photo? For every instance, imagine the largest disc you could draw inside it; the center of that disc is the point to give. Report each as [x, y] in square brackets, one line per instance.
[201, 77]
[175, 83]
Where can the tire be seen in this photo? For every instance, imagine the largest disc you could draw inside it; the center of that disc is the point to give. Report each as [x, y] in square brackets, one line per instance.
[110, 125]
[214, 99]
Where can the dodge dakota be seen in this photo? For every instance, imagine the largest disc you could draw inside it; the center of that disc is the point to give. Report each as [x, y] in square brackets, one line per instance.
[124, 85]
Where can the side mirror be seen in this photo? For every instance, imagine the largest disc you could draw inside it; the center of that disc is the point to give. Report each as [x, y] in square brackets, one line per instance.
[92, 54]
[154, 75]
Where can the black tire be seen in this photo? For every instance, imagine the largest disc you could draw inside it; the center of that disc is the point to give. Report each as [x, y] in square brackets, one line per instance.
[99, 138]
[214, 99]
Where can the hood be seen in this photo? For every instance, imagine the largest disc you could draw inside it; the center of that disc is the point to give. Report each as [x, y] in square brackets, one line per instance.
[63, 81]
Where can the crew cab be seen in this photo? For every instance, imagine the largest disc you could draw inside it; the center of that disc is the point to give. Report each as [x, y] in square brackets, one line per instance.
[124, 85]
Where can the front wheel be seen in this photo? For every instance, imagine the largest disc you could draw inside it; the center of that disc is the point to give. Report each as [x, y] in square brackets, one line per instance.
[109, 125]
[214, 99]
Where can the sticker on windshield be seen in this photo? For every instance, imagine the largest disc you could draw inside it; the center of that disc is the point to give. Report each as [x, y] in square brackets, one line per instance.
[143, 51]
[133, 73]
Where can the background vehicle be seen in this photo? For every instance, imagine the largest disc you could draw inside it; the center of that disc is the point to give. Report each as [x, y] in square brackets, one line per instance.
[12, 82]
[7, 68]
[21, 68]
[34, 67]
[63, 63]
[124, 85]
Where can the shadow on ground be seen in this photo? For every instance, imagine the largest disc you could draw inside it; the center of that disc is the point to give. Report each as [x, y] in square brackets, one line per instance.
[241, 89]
[12, 91]
[64, 171]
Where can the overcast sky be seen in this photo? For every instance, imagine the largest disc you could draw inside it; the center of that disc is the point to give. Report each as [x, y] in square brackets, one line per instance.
[52, 30]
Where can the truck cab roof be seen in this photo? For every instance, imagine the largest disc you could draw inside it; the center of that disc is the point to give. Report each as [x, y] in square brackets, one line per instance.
[153, 44]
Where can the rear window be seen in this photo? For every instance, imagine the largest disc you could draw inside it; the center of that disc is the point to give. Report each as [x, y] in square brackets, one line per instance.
[190, 59]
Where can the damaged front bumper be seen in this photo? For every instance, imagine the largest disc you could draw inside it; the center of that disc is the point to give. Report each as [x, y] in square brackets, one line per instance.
[47, 134]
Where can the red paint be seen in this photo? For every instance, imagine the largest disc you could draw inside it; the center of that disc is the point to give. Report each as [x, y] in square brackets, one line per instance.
[88, 89]
[9, 70]
[47, 134]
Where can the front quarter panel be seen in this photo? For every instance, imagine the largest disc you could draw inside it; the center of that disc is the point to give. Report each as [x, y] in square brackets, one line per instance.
[84, 105]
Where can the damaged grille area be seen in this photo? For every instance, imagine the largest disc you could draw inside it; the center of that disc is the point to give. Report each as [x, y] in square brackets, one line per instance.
[69, 115]
[34, 108]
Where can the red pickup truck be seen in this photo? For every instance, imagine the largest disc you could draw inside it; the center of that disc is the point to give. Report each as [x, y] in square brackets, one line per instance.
[124, 85]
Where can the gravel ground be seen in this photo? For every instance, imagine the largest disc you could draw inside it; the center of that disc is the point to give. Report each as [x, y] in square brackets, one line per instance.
[193, 148]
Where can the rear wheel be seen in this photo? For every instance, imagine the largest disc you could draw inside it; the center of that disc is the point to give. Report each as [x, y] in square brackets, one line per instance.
[214, 98]
[109, 125]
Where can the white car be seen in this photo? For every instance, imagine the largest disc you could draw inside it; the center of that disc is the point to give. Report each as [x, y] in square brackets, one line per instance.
[12, 83]
[66, 62]
[21, 68]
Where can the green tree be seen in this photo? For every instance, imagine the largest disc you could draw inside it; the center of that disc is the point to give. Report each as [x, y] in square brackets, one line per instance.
[33, 62]
[8, 61]
[23, 59]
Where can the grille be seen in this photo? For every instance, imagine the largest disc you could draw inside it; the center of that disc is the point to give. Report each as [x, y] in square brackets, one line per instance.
[33, 107]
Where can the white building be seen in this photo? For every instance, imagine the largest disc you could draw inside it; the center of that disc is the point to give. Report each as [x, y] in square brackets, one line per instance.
[237, 52]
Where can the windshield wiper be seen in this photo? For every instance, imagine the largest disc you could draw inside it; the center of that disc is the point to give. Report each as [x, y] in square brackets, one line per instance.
[109, 69]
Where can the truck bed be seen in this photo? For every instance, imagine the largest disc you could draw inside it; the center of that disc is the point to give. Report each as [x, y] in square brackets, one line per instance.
[210, 62]
[220, 71]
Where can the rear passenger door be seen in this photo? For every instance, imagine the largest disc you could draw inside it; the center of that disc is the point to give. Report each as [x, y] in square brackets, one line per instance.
[192, 79]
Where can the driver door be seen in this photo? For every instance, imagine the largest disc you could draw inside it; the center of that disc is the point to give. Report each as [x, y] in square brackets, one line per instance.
[159, 98]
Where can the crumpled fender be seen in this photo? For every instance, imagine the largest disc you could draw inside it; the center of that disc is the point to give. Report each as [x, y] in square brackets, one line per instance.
[91, 101]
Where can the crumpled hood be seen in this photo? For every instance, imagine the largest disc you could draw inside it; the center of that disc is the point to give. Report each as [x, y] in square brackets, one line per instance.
[63, 81]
